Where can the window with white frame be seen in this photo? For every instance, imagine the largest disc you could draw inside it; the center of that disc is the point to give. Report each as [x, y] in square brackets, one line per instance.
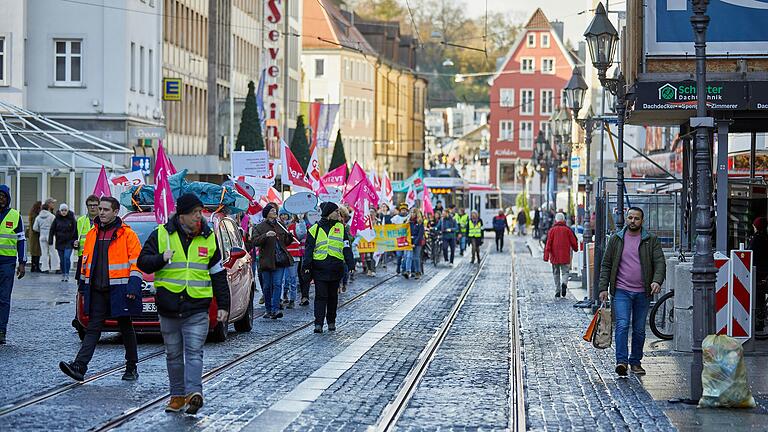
[68, 62]
[526, 135]
[548, 65]
[133, 66]
[506, 130]
[142, 72]
[346, 69]
[507, 97]
[527, 65]
[545, 40]
[531, 42]
[319, 68]
[526, 102]
[547, 101]
[546, 127]
[3, 61]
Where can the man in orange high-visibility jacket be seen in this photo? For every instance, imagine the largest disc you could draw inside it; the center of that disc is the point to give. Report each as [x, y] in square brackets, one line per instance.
[111, 287]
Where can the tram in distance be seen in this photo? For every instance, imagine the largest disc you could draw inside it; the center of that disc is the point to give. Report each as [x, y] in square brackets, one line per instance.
[454, 190]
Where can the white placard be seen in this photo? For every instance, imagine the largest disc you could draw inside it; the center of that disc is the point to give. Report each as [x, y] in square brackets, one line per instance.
[133, 178]
[334, 195]
[250, 163]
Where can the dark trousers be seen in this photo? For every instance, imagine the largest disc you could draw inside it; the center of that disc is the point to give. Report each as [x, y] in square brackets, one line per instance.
[449, 243]
[7, 275]
[35, 264]
[304, 281]
[326, 301]
[98, 311]
[499, 240]
[476, 247]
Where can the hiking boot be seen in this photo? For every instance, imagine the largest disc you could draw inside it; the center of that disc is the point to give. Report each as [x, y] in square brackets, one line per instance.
[304, 301]
[277, 315]
[331, 326]
[73, 370]
[194, 402]
[131, 373]
[261, 300]
[291, 304]
[563, 287]
[637, 369]
[2, 338]
[318, 328]
[621, 370]
[176, 404]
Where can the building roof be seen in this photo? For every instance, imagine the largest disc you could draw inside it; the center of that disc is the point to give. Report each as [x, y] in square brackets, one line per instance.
[538, 21]
[325, 27]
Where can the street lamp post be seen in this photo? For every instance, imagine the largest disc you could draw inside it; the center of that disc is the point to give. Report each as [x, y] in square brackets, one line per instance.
[704, 273]
[602, 40]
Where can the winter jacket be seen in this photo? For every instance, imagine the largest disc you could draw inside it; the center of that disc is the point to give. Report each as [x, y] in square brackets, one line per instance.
[43, 223]
[522, 218]
[448, 227]
[299, 231]
[560, 242]
[759, 246]
[329, 269]
[181, 305]
[64, 228]
[651, 260]
[500, 223]
[417, 233]
[267, 245]
[34, 239]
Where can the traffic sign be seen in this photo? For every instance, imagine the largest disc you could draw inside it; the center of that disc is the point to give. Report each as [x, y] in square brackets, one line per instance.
[141, 163]
[171, 89]
[575, 162]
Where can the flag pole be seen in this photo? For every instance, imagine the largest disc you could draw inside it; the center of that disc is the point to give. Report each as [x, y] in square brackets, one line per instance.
[165, 213]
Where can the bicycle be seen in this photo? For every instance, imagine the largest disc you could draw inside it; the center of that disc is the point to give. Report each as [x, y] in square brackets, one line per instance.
[436, 246]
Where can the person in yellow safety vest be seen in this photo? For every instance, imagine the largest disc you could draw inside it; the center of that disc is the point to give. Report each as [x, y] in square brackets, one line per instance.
[475, 234]
[11, 249]
[111, 287]
[84, 224]
[462, 218]
[186, 260]
[325, 254]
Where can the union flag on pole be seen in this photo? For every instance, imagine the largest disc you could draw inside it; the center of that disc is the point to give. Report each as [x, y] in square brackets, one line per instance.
[292, 172]
[313, 172]
[410, 197]
[102, 185]
[336, 177]
[164, 203]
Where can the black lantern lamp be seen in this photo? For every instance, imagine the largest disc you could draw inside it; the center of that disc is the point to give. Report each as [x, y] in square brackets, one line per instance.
[602, 40]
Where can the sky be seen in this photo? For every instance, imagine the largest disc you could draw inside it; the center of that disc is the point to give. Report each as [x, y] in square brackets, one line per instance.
[561, 10]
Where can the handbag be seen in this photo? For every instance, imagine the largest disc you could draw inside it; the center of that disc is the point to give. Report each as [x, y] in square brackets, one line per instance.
[603, 335]
[282, 259]
[589, 334]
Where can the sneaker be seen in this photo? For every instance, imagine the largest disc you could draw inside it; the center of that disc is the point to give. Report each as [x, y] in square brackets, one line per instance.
[277, 315]
[344, 288]
[261, 300]
[194, 402]
[331, 326]
[557, 294]
[2, 338]
[267, 315]
[131, 373]
[373, 274]
[304, 301]
[73, 370]
[318, 328]
[291, 304]
[418, 276]
[176, 404]
[63, 279]
[563, 287]
[621, 369]
[637, 370]
[406, 275]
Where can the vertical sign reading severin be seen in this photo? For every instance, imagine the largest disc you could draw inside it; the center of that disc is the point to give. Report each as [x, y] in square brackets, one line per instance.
[273, 17]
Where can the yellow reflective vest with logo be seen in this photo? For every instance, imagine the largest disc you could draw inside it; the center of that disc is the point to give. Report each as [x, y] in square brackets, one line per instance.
[330, 243]
[8, 235]
[186, 271]
[84, 224]
[462, 220]
[475, 229]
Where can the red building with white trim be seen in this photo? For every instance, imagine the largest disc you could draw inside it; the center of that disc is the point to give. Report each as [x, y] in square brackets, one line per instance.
[524, 94]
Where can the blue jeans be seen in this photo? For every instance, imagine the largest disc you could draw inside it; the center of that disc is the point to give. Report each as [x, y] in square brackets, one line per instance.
[628, 306]
[6, 286]
[273, 281]
[291, 281]
[413, 260]
[400, 255]
[462, 244]
[65, 258]
[184, 339]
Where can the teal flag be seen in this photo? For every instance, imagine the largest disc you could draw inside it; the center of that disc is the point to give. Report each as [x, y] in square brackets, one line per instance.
[417, 179]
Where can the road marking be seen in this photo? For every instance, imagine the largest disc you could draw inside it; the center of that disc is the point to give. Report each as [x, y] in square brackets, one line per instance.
[286, 410]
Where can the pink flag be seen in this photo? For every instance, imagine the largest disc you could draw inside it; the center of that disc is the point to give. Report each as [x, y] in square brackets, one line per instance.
[355, 176]
[426, 200]
[161, 154]
[321, 189]
[292, 172]
[336, 177]
[102, 184]
[164, 203]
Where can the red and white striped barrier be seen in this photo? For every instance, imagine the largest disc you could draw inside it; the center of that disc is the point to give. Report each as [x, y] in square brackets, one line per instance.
[740, 300]
[722, 315]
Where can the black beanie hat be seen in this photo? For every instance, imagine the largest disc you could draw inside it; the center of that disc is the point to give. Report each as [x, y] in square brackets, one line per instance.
[327, 208]
[186, 203]
[267, 208]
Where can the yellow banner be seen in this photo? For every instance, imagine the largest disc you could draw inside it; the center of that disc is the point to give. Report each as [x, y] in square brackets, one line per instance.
[389, 238]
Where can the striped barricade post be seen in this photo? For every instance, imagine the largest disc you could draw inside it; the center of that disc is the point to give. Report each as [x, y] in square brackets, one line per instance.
[740, 299]
[722, 317]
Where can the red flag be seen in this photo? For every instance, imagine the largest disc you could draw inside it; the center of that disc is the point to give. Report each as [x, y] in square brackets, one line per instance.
[253, 205]
[102, 184]
[292, 172]
[386, 188]
[314, 120]
[337, 177]
[410, 197]
[164, 203]
[313, 171]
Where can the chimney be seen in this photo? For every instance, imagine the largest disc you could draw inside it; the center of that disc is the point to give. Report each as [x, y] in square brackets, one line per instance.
[558, 27]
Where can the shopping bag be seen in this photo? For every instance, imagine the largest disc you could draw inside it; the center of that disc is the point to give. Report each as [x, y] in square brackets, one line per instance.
[603, 329]
[724, 378]
[591, 328]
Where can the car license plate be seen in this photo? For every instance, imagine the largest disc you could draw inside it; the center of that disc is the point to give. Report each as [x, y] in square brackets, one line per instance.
[148, 307]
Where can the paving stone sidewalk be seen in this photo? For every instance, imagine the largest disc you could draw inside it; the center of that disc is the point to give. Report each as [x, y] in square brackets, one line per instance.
[569, 385]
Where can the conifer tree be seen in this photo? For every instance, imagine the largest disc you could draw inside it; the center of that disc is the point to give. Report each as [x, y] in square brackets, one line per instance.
[338, 159]
[249, 136]
[300, 145]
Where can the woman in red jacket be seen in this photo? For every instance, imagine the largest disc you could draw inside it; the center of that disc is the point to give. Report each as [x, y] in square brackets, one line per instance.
[560, 242]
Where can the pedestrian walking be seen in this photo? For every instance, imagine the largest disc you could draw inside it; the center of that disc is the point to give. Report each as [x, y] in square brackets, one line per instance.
[462, 219]
[633, 269]
[298, 233]
[448, 229]
[64, 230]
[536, 222]
[346, 218]
[49, 259]
[557, 251]
[325, 254]
[12, 245]
[475, 235]
[413, 256]
[111, 287]
[272, 239]
[84, 224]
[500, 226]
[304, 280]
[401, 218]
[184, 256]
[34, 237]
[522, 221]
